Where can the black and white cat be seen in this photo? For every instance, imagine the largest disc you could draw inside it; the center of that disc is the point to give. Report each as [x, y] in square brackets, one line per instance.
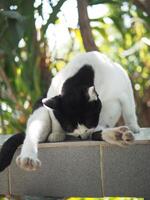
[88, 95]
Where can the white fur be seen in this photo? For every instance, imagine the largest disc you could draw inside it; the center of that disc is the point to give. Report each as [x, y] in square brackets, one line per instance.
[92, 94]
[111, 83]
[114, 89]
[57, 134]
[38, 128]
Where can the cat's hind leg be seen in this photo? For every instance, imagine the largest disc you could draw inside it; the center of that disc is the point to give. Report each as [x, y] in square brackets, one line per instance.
[129, 112]
[38, 128]
[110, 113]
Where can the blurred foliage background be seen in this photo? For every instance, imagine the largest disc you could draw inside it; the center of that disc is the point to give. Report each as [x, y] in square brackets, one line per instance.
[38, 37]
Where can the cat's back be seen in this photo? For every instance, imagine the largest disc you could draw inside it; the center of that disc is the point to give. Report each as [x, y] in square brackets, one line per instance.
[105, 70]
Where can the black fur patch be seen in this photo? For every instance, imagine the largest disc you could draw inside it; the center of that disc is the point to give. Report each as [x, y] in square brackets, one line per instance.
[73, 107]
[83, 78]
[97, 136]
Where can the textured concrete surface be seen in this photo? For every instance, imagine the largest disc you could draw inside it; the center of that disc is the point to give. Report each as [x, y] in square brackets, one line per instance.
[84, 168]
[4, 183]
[65, 172]
[126, 171]
[143, 135]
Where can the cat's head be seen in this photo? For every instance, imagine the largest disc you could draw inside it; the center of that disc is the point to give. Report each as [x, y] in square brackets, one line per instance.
[77, 110]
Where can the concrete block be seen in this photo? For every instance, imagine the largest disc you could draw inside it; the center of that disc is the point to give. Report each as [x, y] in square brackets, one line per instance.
[126, 171]
[66, 171]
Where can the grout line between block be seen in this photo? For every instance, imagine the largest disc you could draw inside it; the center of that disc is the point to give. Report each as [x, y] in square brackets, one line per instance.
[9, 181]
[101, 170]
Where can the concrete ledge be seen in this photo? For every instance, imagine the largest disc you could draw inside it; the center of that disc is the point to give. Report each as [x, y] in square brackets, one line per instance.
[85, 169]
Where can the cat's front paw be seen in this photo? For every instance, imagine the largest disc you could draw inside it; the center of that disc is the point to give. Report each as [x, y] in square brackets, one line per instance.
[120, 136]
[28, 163]
[56, 137]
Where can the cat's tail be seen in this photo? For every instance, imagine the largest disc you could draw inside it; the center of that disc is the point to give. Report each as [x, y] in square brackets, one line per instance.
[8, 149]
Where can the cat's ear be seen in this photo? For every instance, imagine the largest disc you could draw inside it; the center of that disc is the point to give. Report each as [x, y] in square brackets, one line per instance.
[53, 103]
[92, 94]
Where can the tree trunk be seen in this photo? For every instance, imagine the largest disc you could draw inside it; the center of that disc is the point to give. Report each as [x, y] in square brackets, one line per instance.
[144, 5]
[85, 28]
